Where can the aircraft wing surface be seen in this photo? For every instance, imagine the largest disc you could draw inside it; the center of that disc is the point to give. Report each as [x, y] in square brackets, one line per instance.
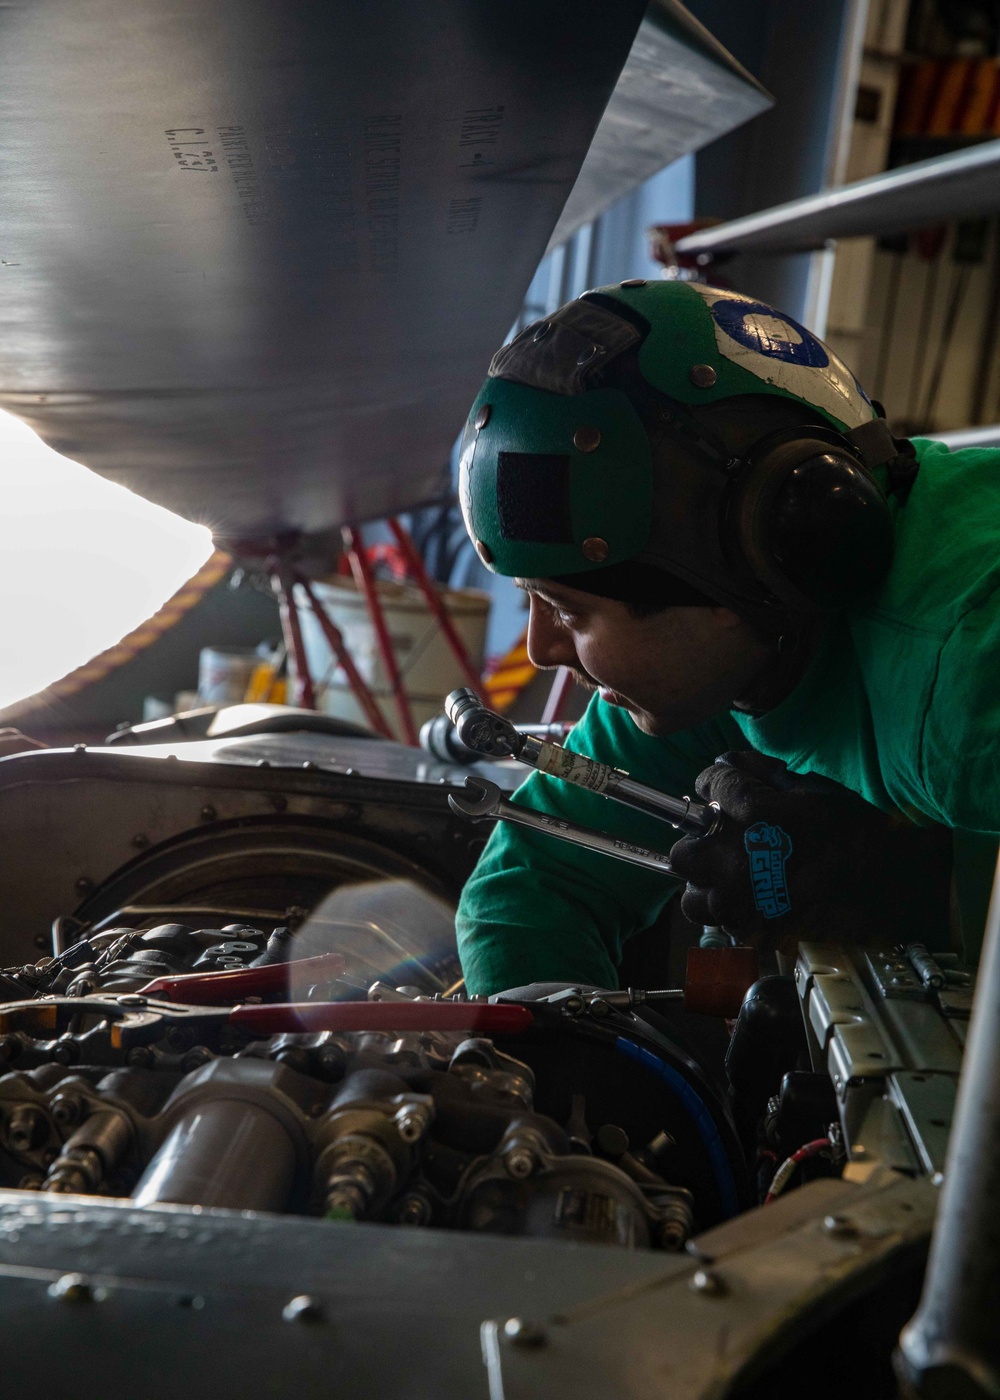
[255, 254]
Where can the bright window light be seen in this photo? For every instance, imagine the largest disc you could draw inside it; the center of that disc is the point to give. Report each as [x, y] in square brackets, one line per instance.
[82, 561]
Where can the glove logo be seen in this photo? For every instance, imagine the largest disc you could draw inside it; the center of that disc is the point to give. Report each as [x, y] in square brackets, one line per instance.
[768, 848]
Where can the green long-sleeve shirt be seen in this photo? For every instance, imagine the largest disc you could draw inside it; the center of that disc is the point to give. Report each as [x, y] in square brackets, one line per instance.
[901, 704]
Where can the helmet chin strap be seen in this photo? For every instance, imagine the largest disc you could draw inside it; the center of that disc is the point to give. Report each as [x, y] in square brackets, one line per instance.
[876, 445]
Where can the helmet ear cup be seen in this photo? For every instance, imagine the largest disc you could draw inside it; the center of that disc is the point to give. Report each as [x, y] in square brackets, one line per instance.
[809, 521]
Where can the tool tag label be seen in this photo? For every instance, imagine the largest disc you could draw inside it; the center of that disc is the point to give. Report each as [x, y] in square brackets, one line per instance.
[768, 848]
[574, 768]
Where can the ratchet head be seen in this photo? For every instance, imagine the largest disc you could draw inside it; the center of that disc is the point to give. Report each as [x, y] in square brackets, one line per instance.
[486, 804]
[482, 729]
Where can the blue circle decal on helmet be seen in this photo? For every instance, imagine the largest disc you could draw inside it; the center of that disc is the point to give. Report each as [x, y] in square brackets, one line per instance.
[760, 328]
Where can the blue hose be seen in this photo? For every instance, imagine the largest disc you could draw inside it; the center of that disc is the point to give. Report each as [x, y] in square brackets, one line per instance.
[703, 1120]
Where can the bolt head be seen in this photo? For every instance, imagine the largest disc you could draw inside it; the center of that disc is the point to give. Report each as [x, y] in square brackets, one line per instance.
[612, 1140]
[519, 1332]
[671, 1234]
[520, 1163]
[302, 1309]
[71, 1288]
[66, 1108]
[413, 1210]
[587, 439]
[707, 1283]
[410, 1124]
[595, 549]
[179, 1037]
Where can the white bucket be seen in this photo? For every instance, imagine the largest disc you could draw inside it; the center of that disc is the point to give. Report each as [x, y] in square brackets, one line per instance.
[223, 676]
[425, 660]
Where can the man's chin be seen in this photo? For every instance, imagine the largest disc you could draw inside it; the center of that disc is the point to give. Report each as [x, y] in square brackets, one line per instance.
[657, 726]
[642, 719]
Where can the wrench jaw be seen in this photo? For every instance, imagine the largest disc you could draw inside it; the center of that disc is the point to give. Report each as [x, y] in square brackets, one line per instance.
[485, 804]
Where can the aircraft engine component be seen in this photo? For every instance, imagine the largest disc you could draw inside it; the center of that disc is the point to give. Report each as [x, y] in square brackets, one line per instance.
[249, 1061]
[165, 1102]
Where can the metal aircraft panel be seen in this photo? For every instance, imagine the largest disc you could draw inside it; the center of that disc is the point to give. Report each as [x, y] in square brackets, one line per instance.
[679, 90]
[255, 254]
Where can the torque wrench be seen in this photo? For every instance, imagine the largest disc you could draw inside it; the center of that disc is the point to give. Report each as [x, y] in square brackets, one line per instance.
[493, 735]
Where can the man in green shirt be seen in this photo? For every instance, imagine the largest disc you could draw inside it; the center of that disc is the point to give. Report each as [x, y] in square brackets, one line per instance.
[722, 539]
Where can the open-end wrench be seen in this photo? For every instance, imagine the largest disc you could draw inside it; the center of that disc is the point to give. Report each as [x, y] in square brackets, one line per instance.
[492, 734]
[486, 800]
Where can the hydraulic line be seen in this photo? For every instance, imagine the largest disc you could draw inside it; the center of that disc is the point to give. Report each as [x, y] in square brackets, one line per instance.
[702, 1118]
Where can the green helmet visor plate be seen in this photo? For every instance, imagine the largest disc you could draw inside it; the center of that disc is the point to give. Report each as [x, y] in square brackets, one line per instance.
[546, 476]
[559, 473]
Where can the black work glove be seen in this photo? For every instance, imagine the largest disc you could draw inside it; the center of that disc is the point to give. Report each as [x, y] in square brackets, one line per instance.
[805, 857]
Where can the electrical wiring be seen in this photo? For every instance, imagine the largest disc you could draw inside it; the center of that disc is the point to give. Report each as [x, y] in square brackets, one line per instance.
[783, 1175]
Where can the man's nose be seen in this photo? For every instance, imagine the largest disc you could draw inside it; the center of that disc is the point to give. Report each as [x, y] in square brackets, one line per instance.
[548, 644]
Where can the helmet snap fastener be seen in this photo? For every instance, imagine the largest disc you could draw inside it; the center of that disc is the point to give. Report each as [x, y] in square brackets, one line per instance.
[595, 549]
[587, 439]
[703, 376]
[542, 330]
[585, 356]
[634, 282]
[484, 552]
[483, 416]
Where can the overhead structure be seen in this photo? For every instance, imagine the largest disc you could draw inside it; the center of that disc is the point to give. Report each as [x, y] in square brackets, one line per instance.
[962, 185]
[255, 254]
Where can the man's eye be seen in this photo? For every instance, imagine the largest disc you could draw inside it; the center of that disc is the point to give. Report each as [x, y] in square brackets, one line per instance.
[567, 618]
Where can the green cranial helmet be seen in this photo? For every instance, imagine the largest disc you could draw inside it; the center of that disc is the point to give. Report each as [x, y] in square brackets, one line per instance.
[592, 441]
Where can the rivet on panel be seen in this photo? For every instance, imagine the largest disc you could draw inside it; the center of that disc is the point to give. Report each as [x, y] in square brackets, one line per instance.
[708, 1284]
[634, 282]
[484, 551]
[520, 1332]
[483, 416]
[542, 330]
[302, 1309]
[703, 376]
[595, 549]
[587, 439]
[72, 1288]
